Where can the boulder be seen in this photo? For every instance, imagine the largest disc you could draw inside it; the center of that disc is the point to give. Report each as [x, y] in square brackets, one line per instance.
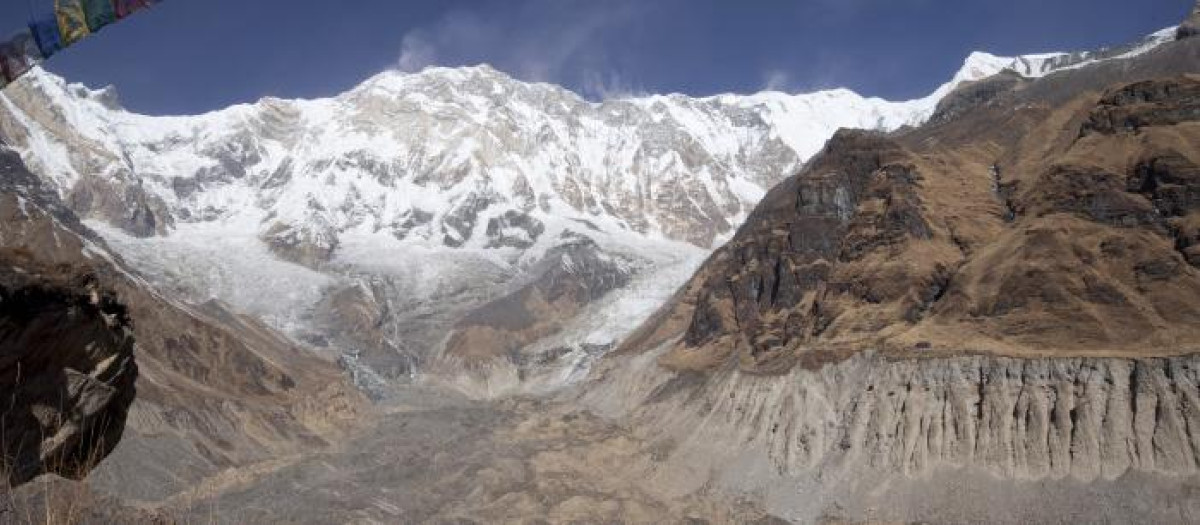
[67, 372]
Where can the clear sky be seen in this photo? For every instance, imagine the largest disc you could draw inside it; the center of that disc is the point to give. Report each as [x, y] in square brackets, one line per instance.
[190, 56]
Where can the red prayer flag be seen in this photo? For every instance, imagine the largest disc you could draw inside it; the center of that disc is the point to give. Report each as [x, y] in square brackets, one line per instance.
[125, 8]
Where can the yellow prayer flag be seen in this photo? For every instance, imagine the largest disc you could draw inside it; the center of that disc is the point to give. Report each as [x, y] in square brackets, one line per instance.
[72, 21]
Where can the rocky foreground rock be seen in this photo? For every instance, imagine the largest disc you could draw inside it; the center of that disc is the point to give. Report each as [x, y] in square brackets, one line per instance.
[67, 371]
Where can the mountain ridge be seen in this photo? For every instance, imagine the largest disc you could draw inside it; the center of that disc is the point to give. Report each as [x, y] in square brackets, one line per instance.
[415, 199]
[786, 118]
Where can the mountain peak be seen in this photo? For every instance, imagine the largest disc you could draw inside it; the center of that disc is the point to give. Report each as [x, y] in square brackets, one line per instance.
[980, 65]
[392, 78]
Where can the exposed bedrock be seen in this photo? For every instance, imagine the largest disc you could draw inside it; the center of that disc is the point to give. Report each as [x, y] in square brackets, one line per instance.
[513, 343]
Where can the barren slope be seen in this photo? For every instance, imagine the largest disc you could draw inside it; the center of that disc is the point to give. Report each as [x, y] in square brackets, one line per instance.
[1035, 224]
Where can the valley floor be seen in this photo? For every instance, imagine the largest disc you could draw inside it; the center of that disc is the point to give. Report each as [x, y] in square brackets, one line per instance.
[432, 457]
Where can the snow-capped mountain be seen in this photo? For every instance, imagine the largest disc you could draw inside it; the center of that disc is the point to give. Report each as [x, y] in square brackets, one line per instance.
[1040, 65]
[440, 158]
[413, 199]
[443, 154]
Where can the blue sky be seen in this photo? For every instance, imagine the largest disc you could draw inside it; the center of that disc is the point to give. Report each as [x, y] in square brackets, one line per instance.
[190, 56]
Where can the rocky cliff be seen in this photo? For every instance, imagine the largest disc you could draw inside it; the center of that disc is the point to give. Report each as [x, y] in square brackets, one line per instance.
[67, 369]
[873, 437]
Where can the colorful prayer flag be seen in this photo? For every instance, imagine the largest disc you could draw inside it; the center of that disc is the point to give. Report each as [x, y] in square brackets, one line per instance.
[72, 21]
[99, 13]
[45, 33]
[125, 8]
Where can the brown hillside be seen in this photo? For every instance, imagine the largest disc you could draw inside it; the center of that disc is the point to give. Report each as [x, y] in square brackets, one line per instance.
[1052, 217]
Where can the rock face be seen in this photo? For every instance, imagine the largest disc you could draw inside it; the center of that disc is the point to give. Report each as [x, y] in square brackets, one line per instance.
[67, 368]
[310, 247]
[510, 340]
[573, 276]
[1141, 105]
[974, 94]
[1088, 418]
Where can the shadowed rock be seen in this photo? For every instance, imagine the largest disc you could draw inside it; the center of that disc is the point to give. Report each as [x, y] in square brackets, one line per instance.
[66, 372]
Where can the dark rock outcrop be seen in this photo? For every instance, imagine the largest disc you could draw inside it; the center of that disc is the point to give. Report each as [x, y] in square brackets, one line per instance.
[1144, 104]
[568, 279]
[307, 246]
[66, 371]
[459, 223]
[514, 229]
[856, 196]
